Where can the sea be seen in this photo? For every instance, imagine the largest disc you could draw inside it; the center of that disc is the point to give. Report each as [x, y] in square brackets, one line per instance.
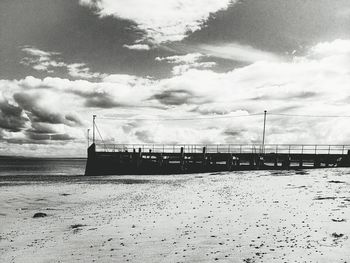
[23, 166]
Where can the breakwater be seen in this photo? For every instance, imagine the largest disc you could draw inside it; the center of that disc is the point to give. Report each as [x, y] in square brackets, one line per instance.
[175, 159]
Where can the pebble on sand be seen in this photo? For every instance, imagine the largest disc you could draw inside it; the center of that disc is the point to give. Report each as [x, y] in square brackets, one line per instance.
[37, 215]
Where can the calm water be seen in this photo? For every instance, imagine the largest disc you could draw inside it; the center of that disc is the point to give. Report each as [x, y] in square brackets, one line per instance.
[41, 166]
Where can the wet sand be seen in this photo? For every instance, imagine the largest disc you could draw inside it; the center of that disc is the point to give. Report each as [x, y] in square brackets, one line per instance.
[260, 216]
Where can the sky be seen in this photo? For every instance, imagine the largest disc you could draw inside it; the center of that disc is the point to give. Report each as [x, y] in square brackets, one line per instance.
[172, 71]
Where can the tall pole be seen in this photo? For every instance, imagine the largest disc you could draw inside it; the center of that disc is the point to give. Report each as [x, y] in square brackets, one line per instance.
[88, 137]
[263, 140]
[93, 128]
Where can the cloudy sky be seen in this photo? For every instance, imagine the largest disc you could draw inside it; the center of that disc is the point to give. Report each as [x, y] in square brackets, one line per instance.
[143, 65]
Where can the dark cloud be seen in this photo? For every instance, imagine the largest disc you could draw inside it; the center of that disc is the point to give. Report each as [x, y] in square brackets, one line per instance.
[32, 136]
[106, 101]
[29, 103]
[174, 97]
[102, 101]
[37, 136]
[41, 128]
[288, 96]
[39, 139]
[306, 95]
[296, 95]
[286, 109]
[41, 131]
[37, 113]
[215, 111]
[61, 137]
[73, 120]
[11, 117]
[45, 132]
[97, 99]
[128, 127]
[144, 136]
[233, 133]
[86, 94]
[22, 141]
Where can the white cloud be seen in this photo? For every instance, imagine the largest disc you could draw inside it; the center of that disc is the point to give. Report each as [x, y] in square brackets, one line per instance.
[48, 61]
[40, 60]
[317, 83]
[80, 70]
[181, 69]
[337, 47]
[162, 21]
[42, 55]
[187, 59]
[186, 62]
[137, 47]
[238, 52]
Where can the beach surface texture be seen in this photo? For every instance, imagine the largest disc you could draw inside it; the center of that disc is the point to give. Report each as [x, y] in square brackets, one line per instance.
[251, 216]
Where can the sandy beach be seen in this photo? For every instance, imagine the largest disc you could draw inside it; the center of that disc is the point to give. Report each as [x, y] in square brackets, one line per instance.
[259, 216]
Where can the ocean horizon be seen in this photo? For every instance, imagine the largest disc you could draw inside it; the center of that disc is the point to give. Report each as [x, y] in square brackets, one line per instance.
[41, 166]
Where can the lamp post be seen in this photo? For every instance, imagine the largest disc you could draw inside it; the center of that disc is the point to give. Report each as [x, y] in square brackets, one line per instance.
[93, 128]
[263, 139]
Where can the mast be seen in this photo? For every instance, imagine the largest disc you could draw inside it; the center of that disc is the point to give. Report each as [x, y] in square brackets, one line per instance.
[263, 139]
[93, 128]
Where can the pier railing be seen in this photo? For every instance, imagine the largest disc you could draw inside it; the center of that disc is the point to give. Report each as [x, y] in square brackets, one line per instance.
[227, 148]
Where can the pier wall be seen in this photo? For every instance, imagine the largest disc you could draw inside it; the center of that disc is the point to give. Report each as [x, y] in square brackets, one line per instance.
[139, 161]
